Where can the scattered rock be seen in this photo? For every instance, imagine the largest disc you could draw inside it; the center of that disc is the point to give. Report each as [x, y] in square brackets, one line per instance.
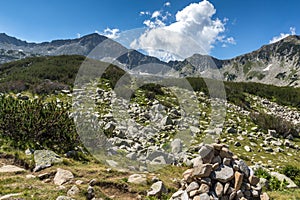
[90, 193]
[137, 179]
[62, 176]
[11, 169]
[157, 189]
[64, 198]
[9, 196]
[247, 148]
[74, 190]
[176, 146]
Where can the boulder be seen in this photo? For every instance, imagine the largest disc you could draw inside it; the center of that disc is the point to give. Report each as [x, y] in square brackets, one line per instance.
[62, 176]
[137, 179]
[11, 169]
[157, 189]
[44, 159]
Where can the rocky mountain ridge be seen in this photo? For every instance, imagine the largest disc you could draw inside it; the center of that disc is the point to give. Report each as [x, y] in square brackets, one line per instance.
[276, 64]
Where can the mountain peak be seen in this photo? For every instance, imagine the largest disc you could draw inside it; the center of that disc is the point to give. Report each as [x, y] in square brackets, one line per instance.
[4, 38]
[291, 38]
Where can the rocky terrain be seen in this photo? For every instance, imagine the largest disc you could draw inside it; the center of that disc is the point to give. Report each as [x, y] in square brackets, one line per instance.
[62, 137]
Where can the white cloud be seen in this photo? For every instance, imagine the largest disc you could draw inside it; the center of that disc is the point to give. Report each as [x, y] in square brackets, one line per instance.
[194, 31]
[78, 35]
[111, 33]
[283, 35]
[167, 4]
[144, 13]
[155, 14]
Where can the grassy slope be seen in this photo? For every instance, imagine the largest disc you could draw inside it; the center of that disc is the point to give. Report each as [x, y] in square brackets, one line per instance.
[30, 74]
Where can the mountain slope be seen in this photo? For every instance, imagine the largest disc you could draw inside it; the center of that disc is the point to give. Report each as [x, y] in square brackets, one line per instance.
[276, 64]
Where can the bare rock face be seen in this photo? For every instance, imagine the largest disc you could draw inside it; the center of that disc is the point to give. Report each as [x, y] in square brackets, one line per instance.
[218, 174]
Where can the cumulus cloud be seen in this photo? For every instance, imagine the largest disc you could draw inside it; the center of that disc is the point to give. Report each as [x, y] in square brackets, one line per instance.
[194, 31]
[283, 35]
[78, 35]
[111, 33]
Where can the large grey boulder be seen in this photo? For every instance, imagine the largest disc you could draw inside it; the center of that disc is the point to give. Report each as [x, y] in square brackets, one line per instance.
[44, 159]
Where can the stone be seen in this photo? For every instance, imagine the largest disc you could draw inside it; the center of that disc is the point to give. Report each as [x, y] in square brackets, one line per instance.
[225, 153]
[64, 198]
[219, 189]
[237, 144]
[166, 121]
[238, 180]
[239, 194]
[227, 161]
[29, 152]
[264, 196]
[204, 188]
[30, 176]
[90, 193]
[62, 176]
[247, 148]
[226, 187]
[9, 196]
[223, 174]
[272, 133]
[217, 159]
[187, 175]
[232, 195]
[74, 190]
[192, 186]
[44, 159]
[206, 153]
[215, 166]
[176, 146]
[43, 176]
[282, 177]
[231, 130]
[202, 171]
[264, 182]
[255, 193]
[204, 196]
[253, 180]
[177, 194]
[244, 168]
[11, 169]
[157, 189]
[139, 179]
[290, 137]
[79, 182]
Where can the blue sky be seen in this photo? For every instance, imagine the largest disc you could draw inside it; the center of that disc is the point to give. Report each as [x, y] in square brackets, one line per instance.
[245, 25]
